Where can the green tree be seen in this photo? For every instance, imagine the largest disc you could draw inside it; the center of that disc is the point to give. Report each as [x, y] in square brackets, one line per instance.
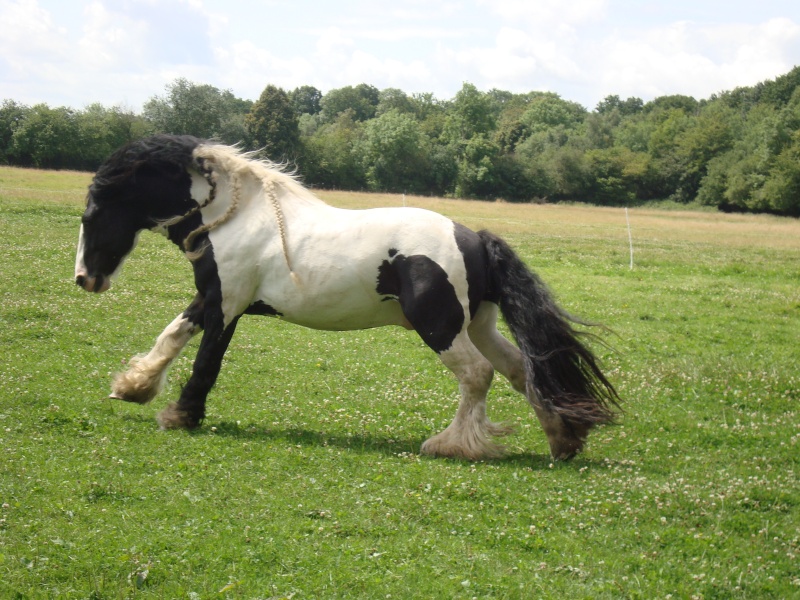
[601, 128]
[761, 171]
[362, 100]
[569, 172]
[392, 151]
[709, 134]
[477, 172]
[634, 132]
[663, 147]
[625, 108]
[431, 114]
[510, 129]
[443, 171]
[781, 190]
[306, 100]
[687, 104]
[777, 93]
[329, 160]
[549, 110]
[102, 130]
[471, 113]
[615, 175]
[272, 125]
[394, 99]
[47, 138]
[198, 109]
[12, 116]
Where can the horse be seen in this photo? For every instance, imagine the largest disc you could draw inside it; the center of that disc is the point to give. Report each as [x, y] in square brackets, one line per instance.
[260, 243]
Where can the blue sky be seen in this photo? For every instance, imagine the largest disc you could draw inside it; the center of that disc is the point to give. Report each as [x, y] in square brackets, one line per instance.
[123, 52]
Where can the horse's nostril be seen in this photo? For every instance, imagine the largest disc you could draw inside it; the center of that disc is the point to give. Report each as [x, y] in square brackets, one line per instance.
[80, 280]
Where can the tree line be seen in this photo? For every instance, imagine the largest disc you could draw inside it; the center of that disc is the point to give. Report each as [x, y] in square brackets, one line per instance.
[738, 150]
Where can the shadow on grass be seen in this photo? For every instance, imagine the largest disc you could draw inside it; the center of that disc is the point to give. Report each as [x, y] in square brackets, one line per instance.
[305, 437]
[364, 444]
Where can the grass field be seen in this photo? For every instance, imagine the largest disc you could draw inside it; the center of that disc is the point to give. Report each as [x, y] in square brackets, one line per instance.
[305, 480]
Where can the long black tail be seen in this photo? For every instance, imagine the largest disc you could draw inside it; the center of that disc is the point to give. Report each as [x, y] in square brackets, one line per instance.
[561, 370]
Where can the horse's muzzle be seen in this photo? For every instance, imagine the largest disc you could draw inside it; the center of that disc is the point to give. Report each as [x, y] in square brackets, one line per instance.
[97, 284]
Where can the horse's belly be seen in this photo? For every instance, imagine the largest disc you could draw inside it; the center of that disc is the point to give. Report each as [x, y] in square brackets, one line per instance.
[333, 316]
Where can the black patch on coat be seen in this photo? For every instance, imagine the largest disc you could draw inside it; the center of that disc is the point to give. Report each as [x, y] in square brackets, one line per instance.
[427, 297]
[195, 312]
[209, 288]
[476, 262]
[205, 311]
[259, 307]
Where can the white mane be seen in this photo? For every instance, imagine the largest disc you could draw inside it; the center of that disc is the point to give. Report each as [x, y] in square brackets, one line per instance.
[236, 162]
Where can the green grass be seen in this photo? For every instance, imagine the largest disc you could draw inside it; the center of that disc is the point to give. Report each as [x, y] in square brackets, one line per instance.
[305, 480]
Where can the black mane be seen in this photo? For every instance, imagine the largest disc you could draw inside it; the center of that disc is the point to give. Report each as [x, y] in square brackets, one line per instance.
[169, 154]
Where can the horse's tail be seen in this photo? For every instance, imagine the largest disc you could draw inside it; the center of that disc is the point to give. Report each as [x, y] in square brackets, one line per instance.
[562, 374]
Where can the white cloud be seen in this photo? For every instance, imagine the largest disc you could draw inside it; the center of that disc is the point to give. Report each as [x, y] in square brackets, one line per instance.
[517, 60]
[333, 43]
[28, 28]
[113, 53]
[249, 68]
[102, 51]
[111, 39]
[29, 36]
[768, 44]
[684, 58]
[545, 13]
[363, 67]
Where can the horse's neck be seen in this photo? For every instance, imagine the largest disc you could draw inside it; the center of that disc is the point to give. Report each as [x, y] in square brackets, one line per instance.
[268, 200]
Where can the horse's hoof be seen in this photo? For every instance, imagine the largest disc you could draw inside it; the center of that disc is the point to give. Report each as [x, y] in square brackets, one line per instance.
[131, 397]
[477, 448]
[566, 449]
[173, 417]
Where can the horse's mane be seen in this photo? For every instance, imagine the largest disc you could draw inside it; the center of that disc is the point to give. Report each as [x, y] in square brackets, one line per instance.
[159, 151]
[236, 162]
[186, 151]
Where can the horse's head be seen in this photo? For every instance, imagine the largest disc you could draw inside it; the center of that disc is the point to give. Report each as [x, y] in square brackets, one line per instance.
[138, 187]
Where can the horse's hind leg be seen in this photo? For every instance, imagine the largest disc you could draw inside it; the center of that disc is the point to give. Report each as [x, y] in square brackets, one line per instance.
[504, 356]
[507, 359]
[145, 376]
[469, 435]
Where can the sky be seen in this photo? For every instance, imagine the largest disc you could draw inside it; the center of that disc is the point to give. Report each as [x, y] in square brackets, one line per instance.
[124, 52]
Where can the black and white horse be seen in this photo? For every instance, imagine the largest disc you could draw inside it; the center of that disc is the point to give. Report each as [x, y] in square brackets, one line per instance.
[261, 244]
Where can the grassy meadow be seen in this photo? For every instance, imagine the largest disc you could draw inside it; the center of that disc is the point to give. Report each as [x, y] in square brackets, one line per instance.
[305, 480]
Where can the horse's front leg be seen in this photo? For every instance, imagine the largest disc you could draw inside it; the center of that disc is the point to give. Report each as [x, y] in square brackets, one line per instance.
[190, 409]
[146, 374]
